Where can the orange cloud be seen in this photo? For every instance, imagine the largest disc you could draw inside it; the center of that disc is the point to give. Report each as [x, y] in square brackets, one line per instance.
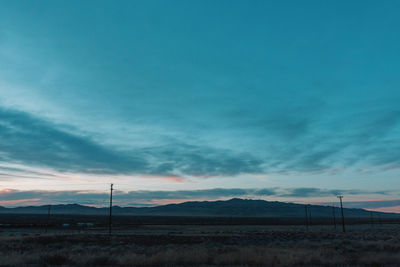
[17, 201]
[6, 191]
[176, 179]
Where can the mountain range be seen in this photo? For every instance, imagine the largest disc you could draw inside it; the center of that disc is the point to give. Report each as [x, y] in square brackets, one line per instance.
[232, 208]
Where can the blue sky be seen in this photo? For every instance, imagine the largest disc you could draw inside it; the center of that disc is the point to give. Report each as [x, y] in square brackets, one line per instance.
[216, 96]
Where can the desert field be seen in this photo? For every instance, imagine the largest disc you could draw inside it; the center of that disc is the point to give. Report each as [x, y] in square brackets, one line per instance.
[202, 245]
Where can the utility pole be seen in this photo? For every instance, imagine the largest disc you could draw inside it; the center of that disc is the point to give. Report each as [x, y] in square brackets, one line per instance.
[48, 218]
[110, 217]
[341, 207]
[334, 216]
[305, 207]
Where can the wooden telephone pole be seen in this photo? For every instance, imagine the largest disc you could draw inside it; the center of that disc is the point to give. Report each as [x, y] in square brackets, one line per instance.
[110, 217]
[334, 216]
[341, 207]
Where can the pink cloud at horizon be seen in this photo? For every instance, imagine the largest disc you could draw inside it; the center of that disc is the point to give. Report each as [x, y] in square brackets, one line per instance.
[395, 209]
[19, 201]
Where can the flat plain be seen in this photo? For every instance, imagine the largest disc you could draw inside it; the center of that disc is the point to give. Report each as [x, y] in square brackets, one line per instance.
[202, 245]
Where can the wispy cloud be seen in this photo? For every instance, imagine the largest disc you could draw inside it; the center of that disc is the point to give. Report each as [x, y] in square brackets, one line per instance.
[29, 140]
[317, 192]
[372, 204]
[146, 197]
[309, 101]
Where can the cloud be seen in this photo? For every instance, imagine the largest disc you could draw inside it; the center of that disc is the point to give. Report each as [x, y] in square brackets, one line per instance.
[371, 139]
[317, 192]
[201, 194]
[262, 106]
[146, 197]
[202, 160]
[26, 139]
[133, 197]
[31, 141]
[19, 201]
[373, 204]
[308, 136]
[287, 124]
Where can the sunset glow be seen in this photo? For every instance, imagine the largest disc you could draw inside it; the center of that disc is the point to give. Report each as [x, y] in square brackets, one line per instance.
[199, 100]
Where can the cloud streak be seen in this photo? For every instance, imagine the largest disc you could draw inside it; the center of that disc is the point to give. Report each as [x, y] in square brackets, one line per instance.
[32, 141]
[146, 197]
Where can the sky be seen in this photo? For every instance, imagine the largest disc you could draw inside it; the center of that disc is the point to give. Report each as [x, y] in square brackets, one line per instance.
[173, 101]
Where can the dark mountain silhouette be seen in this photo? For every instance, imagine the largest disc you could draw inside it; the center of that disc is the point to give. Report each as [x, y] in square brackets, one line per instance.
[232, 208]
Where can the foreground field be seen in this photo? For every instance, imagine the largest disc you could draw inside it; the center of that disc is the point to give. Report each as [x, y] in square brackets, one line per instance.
[205, 245]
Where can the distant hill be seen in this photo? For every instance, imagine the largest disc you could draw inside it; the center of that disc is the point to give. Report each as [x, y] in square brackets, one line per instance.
[229, 208]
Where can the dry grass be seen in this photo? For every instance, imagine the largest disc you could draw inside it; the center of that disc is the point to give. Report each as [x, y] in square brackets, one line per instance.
[274, 248]
[190, 256]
